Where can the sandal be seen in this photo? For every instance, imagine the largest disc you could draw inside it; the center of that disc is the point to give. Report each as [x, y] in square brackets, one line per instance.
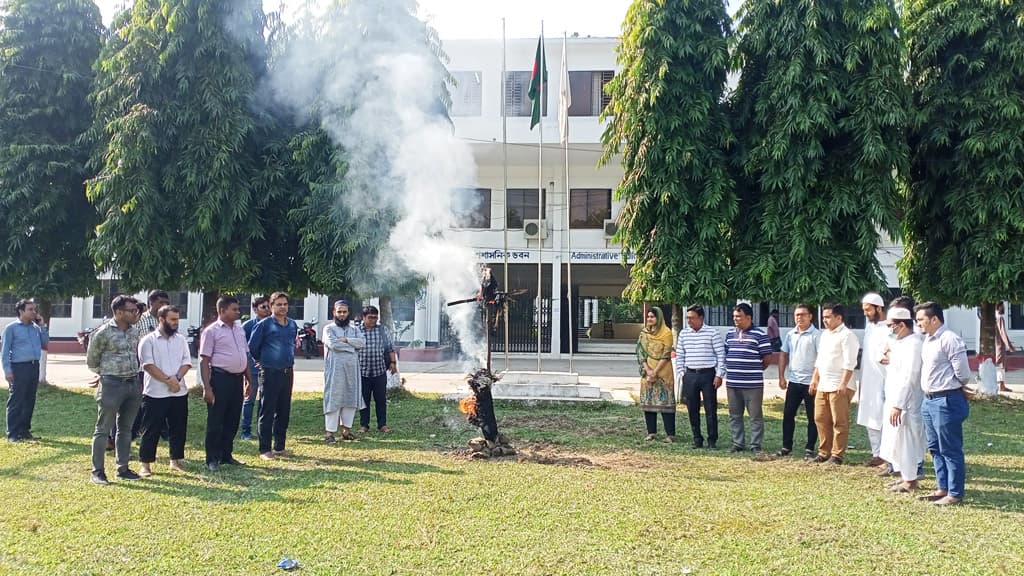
[347, 435]
[329, 438]
[669, 440]
[364, 430]
[650, 437]
[384, 429]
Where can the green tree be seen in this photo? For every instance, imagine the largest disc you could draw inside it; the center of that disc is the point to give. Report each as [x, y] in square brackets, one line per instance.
[194, 183]
[964, 226]
[668, 122]
[820, 113]
[47, 50]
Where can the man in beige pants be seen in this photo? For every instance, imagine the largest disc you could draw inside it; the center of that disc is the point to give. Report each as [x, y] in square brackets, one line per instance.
[833, 385]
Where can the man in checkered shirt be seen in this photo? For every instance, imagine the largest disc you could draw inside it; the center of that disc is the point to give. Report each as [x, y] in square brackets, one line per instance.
[376, 359]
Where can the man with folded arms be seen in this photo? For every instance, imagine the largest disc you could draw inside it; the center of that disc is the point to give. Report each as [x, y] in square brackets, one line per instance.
[833, 385]
[944, 371]
[226, 381]
[165, 359]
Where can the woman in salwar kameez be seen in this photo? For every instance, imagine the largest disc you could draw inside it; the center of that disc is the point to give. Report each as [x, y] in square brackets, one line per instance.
[657, 384]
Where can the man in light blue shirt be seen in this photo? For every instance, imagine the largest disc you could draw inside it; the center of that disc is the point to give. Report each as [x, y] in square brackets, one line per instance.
[23, 343]
[796, 367]
[944, 371]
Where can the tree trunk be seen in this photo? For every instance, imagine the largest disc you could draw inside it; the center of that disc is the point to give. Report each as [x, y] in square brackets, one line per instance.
[677, 320]
[987, 333]
[386, 315]
[45, 308]
[209, 311]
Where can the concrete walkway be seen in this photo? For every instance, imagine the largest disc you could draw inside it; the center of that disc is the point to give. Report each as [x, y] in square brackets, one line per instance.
[610, 373]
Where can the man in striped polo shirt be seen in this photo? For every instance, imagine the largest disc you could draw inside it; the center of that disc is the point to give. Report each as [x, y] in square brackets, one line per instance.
[700, 358]
[748, 352]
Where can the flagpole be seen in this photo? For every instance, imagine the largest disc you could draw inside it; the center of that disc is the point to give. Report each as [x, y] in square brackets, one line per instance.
[504, 164]
[568, 189]
[541, 94]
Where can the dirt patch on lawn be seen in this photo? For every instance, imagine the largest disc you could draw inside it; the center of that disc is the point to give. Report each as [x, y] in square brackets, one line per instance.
[591, 428]
[552, 454]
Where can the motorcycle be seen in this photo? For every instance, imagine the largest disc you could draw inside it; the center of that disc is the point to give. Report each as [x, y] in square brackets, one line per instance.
[83, 338]
[193, 340]
[309, 344]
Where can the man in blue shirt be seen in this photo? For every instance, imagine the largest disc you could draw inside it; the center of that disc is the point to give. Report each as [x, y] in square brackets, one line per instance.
[260, 310]
[272, 346]
[23, 343]
[748, 352]
[796, 367]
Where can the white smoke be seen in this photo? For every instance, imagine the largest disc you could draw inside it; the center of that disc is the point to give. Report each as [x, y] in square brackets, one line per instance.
[368, 73]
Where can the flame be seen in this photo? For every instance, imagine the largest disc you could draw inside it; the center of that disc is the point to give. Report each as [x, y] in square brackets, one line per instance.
[468, 406]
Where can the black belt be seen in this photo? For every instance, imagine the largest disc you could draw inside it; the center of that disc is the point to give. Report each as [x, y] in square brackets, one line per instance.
[943, 393]
[226, 373]
[29, 362]
[701, 370]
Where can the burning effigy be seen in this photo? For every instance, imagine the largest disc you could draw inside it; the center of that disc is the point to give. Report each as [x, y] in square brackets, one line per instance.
[479, 408]
[479, 411]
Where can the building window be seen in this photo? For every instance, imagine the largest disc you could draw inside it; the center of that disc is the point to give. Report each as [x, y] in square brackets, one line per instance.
[472, 208]
[60, 308]
[718, 315]
[587, 89]
[297, 308]
[521, 204]
[517, 95]
[1016, 319]
[179, 298]
[8, 305]
[467, 93]
[101, 301]
[589, 208]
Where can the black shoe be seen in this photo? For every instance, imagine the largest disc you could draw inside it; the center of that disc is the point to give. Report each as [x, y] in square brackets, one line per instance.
[820, 459]
[711, 446]
[736, 448]
[810, 454]
[100, 478]
[212, 466]
[14, 439]
[127, 474]
[232, 462]
[784, 452]
[698, 445]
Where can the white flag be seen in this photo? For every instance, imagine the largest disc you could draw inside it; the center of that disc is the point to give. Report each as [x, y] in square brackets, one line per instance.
[564, 98]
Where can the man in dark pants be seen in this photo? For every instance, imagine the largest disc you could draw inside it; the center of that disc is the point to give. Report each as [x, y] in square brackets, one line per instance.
[260, 310]
[226, 381]
[700, 358]
[796, 367]
[23, 342]
[376, 359]
[272, 346]
[114, 355]
[165, 359]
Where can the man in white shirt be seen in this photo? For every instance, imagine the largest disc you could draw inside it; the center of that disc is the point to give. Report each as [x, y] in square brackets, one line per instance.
[833, 385]
[165, 359]
[871, 393]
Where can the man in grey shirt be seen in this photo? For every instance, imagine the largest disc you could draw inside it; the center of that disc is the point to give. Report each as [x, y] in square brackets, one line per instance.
[944, 372]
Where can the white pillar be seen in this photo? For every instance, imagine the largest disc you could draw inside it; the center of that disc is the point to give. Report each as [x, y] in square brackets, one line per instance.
[420, 328]
[595, 311]
[585, 313]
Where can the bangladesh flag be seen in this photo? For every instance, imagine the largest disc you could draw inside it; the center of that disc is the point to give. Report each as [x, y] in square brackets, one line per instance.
[538, 82]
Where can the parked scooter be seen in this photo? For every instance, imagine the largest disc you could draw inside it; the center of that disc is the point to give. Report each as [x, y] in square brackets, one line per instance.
[309, 344]
[193, 340]
[83, 338]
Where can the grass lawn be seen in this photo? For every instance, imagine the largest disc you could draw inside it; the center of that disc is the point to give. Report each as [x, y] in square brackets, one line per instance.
[586, 497]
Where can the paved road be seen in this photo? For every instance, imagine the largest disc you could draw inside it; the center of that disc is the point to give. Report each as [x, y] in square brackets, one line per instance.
[607, 372]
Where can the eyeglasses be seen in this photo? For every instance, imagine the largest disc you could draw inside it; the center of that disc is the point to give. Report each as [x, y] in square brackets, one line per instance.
[262, 307]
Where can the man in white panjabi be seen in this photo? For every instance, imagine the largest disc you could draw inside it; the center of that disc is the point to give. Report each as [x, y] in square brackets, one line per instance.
[903, 440]
[343, 388]
[871, 399]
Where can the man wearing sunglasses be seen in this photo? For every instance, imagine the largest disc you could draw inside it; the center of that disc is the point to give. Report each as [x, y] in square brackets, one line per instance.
[260, 310]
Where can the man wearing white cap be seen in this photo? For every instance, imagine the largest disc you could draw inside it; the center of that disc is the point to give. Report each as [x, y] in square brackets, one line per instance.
[903, 441]
[871, 399]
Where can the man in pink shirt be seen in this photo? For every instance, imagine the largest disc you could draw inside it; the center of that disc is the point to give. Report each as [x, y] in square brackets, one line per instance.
[226, 381]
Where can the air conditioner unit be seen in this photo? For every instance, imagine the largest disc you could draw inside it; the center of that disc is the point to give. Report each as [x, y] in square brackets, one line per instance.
[535, 229]
[610, 228]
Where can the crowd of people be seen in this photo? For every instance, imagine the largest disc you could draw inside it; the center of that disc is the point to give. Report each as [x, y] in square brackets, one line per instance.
[911, 392]
[142, 361]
